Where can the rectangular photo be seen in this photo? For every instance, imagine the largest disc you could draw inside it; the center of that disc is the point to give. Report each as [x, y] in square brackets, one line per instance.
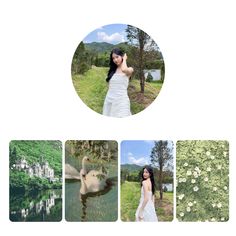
[202, 179]
[147, 180]
[91, 175]
[35, 180]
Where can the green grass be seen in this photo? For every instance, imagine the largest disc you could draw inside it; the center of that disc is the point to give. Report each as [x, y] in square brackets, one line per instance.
[130, 195]
[92, 88]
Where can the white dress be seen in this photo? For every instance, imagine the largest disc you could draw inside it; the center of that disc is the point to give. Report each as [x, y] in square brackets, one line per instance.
[149, 213]
[117, 103]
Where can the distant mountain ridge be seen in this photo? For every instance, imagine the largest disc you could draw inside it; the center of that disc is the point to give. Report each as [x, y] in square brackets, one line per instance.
[131, 167]
[101, 47]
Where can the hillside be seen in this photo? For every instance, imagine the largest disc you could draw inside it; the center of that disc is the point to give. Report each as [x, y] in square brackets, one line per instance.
[34, 151]
[131, 167]
[101, 47]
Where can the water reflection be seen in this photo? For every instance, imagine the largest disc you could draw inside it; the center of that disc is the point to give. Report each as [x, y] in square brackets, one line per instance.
[99, 206]
[43, 206]
[85, 197]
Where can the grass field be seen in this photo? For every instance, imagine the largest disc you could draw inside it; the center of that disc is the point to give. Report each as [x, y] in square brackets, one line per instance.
[130, 195]
[92, 88]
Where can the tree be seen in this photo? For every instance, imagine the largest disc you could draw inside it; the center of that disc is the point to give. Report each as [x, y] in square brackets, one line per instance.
[82, 60]
[149, 77]
[162, 158]
[124, 174]
[142, 43]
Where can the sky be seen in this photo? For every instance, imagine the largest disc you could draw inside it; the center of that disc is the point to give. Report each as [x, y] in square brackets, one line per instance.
[114, 34]
[136, 152]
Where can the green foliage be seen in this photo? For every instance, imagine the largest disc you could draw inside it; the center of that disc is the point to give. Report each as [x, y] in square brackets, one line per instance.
[20, 182]
[149, 77]
[162, 155]
[33, 152]
[82, 60]
[202, 180]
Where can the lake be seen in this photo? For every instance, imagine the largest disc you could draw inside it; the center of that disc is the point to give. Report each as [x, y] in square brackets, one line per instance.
[101, 206]
[156, 74]
[41, 206]
[168, 186]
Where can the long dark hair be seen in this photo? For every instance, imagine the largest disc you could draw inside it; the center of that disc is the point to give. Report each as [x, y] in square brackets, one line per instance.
[112, 65]
[150, 171]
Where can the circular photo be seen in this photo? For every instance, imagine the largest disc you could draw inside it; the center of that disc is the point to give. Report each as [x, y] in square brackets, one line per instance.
[118, 70]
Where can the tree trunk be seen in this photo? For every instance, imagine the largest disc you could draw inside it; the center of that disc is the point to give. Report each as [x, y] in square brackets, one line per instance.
[142, 83]
[160, 178]
[141, 50]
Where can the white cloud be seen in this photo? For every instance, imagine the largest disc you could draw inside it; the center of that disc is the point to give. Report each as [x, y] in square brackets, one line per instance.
[116, 37]
[137, 161]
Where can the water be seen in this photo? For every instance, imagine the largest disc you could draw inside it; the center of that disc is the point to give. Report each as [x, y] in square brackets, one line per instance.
[169, 187]
[156, 74]
[100, 206]
[41, 206]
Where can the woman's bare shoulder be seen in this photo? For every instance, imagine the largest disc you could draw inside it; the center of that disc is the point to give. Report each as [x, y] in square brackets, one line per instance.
[144, 182]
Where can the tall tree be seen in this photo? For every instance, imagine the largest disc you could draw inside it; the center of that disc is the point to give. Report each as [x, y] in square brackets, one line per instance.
[162, 158]
[142, 43]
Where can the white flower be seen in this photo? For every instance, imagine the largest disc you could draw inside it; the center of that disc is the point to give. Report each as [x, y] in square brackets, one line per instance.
[181, 214]
[208, 169]
[213, 205]
[208, 153]
[206, 179]
[190, 204]
[180, 180]
[222, 219]
[185, 164]
[194, 202]
[197, 169]
[212, 157]
[219, 167]
[195, 189]
[225, 187]
[214, 189]
[181, 196]
[195, 174]
[225, 154]
[189, 172]
[213, 219]
[219, 205]
[184, 180]
[193, 181]
[188, 209]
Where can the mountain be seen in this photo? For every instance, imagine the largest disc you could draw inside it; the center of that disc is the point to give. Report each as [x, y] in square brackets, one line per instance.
[101, 47]
[131, 167]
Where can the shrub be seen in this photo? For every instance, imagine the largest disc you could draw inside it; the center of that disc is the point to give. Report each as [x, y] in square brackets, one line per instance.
[149, 77]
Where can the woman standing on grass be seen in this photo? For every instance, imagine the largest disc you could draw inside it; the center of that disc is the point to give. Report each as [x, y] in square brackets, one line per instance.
[117, 103]
[146, 209]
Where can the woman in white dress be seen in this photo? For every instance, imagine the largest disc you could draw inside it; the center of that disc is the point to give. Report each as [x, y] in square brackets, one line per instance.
[117, 103]
[146, 209]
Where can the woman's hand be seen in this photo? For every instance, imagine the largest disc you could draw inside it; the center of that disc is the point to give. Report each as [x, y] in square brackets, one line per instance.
[127, 70]
[125, 57]
[140, 215]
